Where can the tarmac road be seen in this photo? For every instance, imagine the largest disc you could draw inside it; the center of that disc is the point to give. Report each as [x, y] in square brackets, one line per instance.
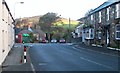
[63, 57]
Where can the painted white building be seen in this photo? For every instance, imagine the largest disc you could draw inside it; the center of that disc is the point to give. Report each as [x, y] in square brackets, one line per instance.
[78, 32]
[6, 31]
[83, 34]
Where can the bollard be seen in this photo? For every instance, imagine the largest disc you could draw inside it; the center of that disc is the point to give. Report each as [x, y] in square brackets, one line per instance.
[25, 54]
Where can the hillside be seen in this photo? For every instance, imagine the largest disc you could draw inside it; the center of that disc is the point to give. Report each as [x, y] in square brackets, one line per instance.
[27, 21]
[33, 22]
[66, 21]
[59, 30]
[63, 22]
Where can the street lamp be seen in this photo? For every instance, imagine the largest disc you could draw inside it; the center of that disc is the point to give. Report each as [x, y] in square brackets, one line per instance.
[14, 6]
[14, 11]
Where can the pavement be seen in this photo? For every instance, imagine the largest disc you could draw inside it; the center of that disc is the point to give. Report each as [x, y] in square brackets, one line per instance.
[96, 48]
[14, 60]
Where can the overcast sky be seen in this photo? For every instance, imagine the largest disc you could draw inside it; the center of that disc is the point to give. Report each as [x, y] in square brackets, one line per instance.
[74, 9]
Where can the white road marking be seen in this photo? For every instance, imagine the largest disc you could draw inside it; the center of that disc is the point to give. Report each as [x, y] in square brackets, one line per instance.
[92, 61]
[96, 63]
[75, 48]
[80, 50]
[69, 43]
[33, 69]
[42, 63]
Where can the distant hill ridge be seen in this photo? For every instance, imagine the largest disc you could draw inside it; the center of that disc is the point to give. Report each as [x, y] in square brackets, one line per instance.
[34, 20]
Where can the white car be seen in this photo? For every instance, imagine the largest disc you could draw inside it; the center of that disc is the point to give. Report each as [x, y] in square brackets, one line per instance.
[53, 41]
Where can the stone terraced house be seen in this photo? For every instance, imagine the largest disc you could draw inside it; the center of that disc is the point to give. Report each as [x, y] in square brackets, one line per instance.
[104, 23]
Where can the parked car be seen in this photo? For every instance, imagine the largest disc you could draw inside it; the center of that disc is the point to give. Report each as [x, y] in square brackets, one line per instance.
[53, 41]
[62, 40]
[44, 41]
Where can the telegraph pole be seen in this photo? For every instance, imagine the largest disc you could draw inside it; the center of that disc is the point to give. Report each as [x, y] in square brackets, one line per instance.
[69, 31]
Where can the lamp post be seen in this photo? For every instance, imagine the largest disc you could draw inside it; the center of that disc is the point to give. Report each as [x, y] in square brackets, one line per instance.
[14, 15]
[15, 5]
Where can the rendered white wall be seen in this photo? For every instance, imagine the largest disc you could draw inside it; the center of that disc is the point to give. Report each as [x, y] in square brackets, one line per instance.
[0, 32]
[6, 32]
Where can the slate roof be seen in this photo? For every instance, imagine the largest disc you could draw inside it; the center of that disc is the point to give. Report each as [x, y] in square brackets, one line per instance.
[104, 5]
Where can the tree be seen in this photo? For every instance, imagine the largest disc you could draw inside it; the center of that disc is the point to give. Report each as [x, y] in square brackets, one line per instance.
[58, 32]
[31, 37]
[88, 12]
[47, 20]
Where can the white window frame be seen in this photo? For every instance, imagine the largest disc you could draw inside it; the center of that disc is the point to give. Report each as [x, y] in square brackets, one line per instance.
[92, 17]
[88, 33]
[91, 33]
[108, 12]
[99, 35]
[117, 11]
[117, 31]
[99, 16]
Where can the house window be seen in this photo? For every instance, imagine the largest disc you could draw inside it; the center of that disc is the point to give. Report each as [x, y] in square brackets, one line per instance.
[87, 33]
[117, 11]
[99, 35]
[117, 32]
[99, 16]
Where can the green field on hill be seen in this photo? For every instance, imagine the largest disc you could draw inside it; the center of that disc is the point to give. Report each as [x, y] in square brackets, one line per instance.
[65, 23]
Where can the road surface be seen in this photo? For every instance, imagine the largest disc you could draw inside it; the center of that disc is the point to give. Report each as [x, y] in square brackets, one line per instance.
[64, 57]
